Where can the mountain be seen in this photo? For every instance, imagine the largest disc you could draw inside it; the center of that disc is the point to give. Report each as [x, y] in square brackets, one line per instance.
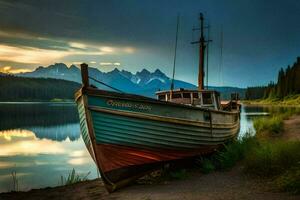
[57, 71]
[143, 82]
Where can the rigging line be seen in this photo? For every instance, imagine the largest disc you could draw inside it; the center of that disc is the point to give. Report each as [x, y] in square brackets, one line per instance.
[221, 59]
[174, 63]
[105, 84]
[207, 51]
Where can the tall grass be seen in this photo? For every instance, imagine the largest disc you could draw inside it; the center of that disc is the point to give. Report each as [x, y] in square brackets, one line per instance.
[290, 100]
[207, 165]
[15, 181]
[73, 177]
[289, 181]
[275, 159]
[227, 157]
[279, 160]
[235, 151]
[272, 125]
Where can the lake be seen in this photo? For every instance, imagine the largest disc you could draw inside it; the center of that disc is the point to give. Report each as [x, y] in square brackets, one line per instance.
[41, 142]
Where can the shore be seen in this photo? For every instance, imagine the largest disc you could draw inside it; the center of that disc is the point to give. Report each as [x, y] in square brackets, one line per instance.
[218, 185]
[293, 101]
[232, 184]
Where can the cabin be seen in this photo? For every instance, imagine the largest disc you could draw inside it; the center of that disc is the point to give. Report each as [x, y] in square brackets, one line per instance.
[203, 98]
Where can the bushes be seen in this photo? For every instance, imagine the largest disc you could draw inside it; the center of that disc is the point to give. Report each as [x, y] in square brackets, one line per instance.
[289, 181]
[73, 177]
[273, 125]
[235, 151]
[229, 155]
[272, 158]
[207, 166]
[276, 160]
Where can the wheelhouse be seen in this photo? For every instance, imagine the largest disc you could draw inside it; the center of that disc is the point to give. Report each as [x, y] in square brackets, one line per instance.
[202, 98]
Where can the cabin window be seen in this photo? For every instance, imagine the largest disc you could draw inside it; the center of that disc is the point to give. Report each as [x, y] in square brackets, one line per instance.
[162, 97]
[175, 96]
[186, 95]
[207, 98]
[195, 95]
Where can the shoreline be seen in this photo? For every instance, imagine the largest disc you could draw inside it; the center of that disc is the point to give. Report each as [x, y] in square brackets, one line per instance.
[268, 105]
[232, 184]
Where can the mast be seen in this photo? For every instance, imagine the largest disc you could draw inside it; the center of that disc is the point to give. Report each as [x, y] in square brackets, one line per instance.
[201, 56]
[202, 47]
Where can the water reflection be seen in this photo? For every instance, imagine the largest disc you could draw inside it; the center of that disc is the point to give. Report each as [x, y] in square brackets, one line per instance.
[246, 123]
[38, 114]
[39, 162]
[40, 142]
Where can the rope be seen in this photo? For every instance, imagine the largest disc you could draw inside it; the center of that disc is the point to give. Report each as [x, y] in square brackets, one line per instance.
[105, 84]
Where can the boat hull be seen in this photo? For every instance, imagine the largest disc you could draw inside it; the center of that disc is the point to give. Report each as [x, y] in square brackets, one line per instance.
[129, 136]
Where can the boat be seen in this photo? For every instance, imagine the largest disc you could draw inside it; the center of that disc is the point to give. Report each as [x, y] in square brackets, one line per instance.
[130, 135]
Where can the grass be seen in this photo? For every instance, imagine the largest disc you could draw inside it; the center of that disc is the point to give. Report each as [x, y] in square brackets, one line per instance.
[207, 165]
[235, 151]
[263, 155]
[272, 158]
[289, 181]
[272, 125]
[278, 160]
[290, 100]
[15, 181]
[275, 160]
[73, 177]
[226, 158]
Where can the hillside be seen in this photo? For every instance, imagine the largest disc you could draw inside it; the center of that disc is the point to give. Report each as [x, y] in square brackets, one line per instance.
[288, 85]
[14, 88]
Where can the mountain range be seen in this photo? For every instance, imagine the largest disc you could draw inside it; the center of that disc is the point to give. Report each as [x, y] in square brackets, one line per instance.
[143, 82]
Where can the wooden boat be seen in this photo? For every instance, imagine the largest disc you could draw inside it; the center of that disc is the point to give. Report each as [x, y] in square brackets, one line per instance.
[130, 135]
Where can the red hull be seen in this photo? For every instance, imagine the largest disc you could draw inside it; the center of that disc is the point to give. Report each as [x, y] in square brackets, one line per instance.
[120, 164]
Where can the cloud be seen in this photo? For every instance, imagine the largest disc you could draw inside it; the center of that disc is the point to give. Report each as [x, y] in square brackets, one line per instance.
[11, 70]
[77, 63]
[29, 145]
[29, 55]
[129, 50]
[33, 55]
[110, 63]
[77, 45]
[107, 49]
[106, 63]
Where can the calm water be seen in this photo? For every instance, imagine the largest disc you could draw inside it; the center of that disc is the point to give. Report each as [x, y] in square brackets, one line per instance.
[41, 142]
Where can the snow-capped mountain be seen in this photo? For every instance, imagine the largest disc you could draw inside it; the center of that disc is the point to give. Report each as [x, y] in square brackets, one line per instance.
[143, 82]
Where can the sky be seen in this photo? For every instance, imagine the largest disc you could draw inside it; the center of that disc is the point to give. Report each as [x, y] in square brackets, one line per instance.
[259, 36]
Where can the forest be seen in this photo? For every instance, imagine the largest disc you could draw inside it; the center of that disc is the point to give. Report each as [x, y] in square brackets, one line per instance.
[288, 83]
[14, 88]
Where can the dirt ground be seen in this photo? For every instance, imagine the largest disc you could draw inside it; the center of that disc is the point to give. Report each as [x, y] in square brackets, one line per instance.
[233, 184]
[214, 186]
[292, 128]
